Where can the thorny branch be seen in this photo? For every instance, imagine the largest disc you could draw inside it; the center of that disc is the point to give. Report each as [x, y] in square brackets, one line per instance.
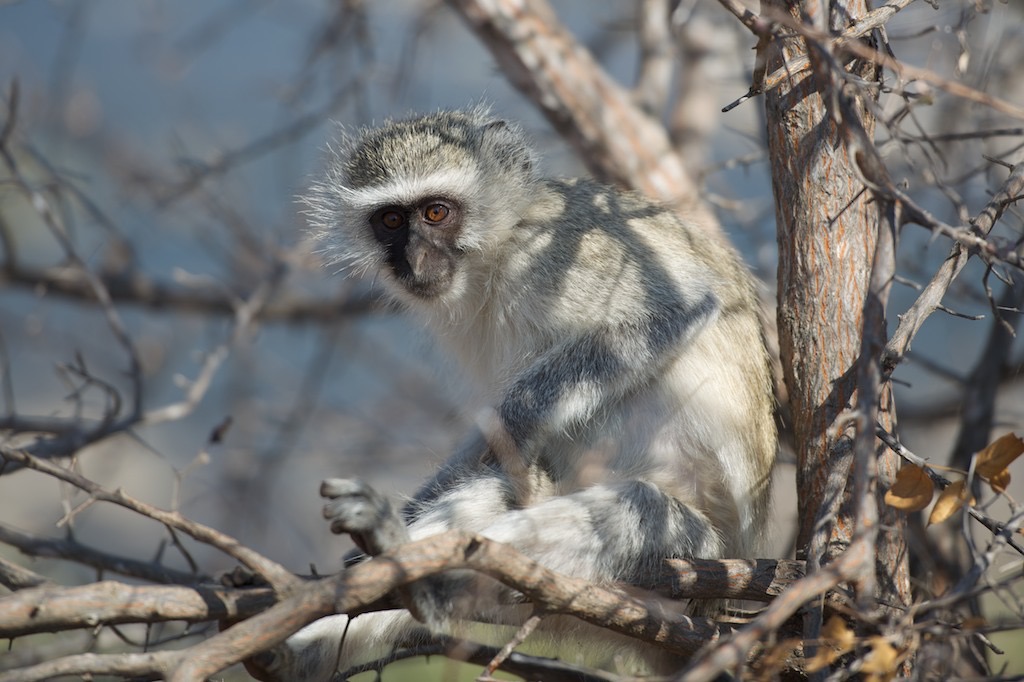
[931, 297]
[991, 524]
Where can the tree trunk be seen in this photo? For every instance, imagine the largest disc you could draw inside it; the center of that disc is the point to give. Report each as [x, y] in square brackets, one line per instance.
[827, 231]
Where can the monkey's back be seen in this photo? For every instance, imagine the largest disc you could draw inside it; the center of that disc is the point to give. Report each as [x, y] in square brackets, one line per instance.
[701, 427]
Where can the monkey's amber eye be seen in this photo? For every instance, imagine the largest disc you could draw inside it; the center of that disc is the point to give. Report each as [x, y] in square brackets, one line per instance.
[392, 219]
[435, 213]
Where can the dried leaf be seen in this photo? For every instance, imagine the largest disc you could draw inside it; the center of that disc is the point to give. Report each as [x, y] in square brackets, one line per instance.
[840, 635]
[822, 658]
[881, 661]
[836, 639]
[1000, 481]
[949, 502]
[774, 660]
[994, 459]
[911, 491]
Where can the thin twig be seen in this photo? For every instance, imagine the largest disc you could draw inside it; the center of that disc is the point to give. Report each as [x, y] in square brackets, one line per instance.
[278, 576]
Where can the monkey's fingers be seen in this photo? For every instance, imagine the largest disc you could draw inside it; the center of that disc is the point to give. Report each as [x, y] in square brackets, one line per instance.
[361, 511]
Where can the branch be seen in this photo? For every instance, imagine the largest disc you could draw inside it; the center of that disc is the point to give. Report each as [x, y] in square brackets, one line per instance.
[930, 299]
[657, 55]
[135, 288]
[525, 666]
[733, 652]
[274, 573]
[125, 665]
[938, 479]
[750, 579]
[370, 581]
[15, 577]
[70, 549]
[619, 142]
[849, 41]
[53, 608]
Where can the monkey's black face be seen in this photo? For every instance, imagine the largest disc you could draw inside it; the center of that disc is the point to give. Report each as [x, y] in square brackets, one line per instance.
[419, 244]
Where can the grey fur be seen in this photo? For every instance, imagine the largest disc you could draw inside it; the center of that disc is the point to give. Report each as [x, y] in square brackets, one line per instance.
[618, 344]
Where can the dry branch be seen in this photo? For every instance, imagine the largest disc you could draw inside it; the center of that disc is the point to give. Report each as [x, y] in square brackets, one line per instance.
[51, 608]
[369, 582]
[931, 298]
[136, 288]
[273, 572]
[72, 550]
[733, 652]
[616, 138]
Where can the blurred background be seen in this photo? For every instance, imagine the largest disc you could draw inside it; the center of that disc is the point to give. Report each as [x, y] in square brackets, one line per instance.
[173, 139]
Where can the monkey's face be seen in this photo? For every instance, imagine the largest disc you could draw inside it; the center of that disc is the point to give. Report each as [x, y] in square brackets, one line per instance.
[419, 242]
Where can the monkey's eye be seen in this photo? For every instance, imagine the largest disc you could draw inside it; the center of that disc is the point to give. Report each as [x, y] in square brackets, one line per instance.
[392, 219]
[436, 213]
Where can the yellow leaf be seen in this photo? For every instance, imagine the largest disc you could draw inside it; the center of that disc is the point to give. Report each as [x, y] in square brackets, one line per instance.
[994, 459]
[1000, 481]
[881, 661]
[951, 499]
[774, 660]
[836, 639]
[822, 658]
[837, 633]
[911, 491]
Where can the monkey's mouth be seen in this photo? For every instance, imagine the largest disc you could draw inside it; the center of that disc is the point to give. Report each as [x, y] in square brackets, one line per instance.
[432, 276]
[426, 288]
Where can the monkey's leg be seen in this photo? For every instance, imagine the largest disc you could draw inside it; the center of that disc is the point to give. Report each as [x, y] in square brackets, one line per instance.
[615, 531]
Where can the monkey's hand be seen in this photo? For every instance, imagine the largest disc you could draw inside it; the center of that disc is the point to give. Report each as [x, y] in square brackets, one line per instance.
[359, 510]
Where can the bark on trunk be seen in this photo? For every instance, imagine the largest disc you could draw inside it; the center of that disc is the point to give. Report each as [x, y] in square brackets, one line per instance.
[827, 232]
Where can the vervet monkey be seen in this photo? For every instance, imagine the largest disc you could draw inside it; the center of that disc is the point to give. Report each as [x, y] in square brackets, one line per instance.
[617, 344]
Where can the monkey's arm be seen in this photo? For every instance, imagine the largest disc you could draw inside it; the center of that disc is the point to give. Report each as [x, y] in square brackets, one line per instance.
[572, 382]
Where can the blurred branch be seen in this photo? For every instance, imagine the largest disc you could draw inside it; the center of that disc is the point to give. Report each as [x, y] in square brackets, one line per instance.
[43, 207]
[15, 577]
[657, 56]
[274, 573]
[526, 666]
[136, 288]
[615, 137]
[978, 400]
[72, 550]
[198, 171]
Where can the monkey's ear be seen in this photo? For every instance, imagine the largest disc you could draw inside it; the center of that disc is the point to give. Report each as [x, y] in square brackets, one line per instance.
[507, 144]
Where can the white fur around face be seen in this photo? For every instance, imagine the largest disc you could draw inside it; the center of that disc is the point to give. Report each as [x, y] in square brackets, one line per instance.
[411, 190]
